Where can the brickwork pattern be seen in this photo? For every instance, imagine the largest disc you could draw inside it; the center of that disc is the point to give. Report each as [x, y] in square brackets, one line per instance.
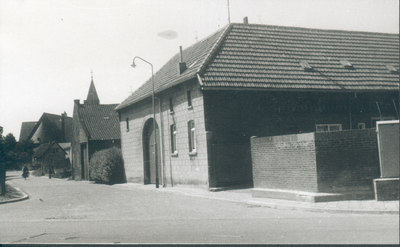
[180, 168]
[330, 162]
[347, 160]
[285, 162]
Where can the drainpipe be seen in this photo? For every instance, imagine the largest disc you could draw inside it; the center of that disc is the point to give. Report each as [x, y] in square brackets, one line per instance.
[379, 109]
[170, 159]
[161, 142]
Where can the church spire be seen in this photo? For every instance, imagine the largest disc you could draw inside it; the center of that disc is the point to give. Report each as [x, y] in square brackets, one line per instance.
[92, 98]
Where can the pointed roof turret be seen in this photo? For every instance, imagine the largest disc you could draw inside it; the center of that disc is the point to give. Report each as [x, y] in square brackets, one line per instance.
[92, 98]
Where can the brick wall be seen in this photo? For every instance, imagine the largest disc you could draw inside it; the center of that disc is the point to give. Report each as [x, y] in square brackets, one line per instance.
[284, 162]
[347, 160]
[181, 168]
[340, 161]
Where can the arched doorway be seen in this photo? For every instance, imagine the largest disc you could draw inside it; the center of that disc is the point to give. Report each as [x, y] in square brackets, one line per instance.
[148, 152]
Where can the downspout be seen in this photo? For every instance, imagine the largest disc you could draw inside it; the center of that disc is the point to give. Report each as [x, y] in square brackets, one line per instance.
[170, 159]
[162, 142]
[397, 112]
[379, 109]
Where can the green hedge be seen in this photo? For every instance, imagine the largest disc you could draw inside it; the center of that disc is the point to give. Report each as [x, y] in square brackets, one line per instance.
[107, 167]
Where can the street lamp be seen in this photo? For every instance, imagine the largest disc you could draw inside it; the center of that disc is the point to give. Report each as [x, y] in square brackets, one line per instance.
[154, 116]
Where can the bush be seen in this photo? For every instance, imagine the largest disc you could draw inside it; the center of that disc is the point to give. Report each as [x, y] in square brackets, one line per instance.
[106, 166]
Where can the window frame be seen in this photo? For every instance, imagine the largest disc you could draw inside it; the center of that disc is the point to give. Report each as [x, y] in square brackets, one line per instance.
[127, 124]
[189, 99]
[171, 105]
[174, 149]
[328, 127]
[192, 137]
[376, 119]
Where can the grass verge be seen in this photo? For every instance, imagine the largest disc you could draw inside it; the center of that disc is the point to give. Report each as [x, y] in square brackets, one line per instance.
[11, 193]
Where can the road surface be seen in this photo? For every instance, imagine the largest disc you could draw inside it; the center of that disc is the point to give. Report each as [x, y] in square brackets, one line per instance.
[61, 211]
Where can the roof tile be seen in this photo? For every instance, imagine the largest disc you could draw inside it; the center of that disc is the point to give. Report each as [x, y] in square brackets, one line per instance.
[263, 56]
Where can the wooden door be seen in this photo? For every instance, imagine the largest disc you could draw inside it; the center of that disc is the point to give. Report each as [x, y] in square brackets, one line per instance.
[149, 160]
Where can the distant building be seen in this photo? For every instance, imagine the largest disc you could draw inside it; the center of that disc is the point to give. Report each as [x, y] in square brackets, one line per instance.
[51, 154]
[49, 128]
[254, 80]
[95, 127]
[26, 129]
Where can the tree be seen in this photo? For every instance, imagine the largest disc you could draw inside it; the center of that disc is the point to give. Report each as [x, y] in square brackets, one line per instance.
[11, 154]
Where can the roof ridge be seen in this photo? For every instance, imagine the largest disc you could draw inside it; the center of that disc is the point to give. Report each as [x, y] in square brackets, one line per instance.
[313, 29]
[214, 48]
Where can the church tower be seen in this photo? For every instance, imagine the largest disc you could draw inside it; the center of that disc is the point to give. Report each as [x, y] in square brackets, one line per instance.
[92, 98]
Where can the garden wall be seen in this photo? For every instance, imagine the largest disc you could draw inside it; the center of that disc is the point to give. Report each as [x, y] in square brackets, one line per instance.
[340, 161]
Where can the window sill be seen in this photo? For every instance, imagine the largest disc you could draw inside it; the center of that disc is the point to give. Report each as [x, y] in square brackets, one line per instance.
[171, 113]
[174, 154]
[193, 153]
[190, 107]
[127, 130]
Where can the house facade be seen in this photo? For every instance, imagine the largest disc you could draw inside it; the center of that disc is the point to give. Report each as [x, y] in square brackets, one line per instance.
[51, 155]
[254, 80]
[95, 127]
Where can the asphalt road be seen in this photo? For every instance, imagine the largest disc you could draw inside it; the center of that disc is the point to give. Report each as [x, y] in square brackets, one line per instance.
[61, 211]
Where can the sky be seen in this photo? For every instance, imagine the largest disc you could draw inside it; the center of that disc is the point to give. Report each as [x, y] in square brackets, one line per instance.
[49, 48]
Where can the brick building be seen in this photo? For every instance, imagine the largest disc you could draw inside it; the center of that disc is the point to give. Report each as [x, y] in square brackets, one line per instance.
[254, 80]
[95, 127]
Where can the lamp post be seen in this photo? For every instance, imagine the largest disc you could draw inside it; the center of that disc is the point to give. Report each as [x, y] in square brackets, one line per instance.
[154, 116]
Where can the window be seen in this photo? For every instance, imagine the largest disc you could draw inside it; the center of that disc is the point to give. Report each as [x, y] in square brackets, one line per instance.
[391, 68]
[306, 66]
[328, 127]
[189, 99]
[55, 150]
[171, 106]
[191, 133]
[376, 119]
[173, 139]
[361, 126]
[345, 63]
[127, 124]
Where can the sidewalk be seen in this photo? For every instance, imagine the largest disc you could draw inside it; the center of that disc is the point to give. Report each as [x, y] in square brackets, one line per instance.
[244, 196]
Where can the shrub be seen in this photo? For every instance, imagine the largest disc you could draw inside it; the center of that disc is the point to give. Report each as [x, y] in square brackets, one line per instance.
[106, 166]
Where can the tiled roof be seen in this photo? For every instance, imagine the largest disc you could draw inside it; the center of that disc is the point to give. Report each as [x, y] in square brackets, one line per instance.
[54, 122]
[269, 57]
[39, 151]
[168, 75]
[43, 148]
[26, 129]
[101, 121]
[246, 56]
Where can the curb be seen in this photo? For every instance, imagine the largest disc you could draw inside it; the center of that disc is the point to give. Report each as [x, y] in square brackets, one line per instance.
[282, 205]
[24, 197]
[328, 210]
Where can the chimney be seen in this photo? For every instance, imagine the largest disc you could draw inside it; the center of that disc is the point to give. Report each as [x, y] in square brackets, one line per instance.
[245, 20]
[182, 64]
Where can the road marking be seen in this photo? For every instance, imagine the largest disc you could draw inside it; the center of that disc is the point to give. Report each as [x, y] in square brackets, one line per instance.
[30, 237]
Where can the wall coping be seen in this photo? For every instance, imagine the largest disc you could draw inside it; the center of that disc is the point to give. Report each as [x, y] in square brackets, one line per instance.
[284, 138]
